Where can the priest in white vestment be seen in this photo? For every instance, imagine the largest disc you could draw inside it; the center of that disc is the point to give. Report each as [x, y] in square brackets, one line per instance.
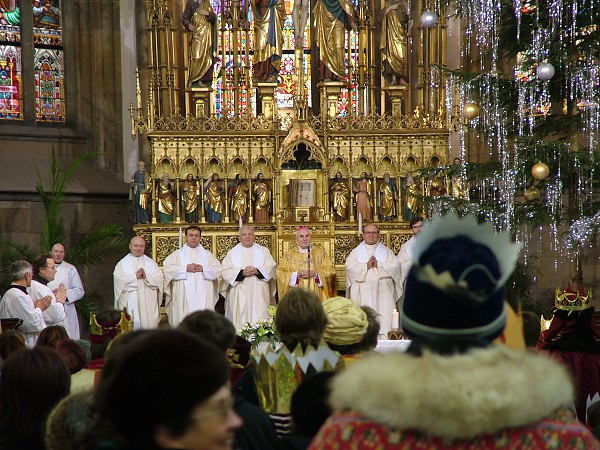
[373, 277]
[44, 271]
[405, 255]
[138, 286]
[68, 276]
[191, 278]
[248, 272]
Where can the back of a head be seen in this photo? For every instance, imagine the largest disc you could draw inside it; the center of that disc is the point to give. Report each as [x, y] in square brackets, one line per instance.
[72, 353]
[454, 292]
[51, 334]
[70, 422]
[186, 369]
[369, 340]
[211, 326]
[33, 382]
[346, 325]
[10, 342]
[300, 317]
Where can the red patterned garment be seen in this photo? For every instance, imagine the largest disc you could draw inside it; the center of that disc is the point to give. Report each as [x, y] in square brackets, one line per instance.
[490, 398]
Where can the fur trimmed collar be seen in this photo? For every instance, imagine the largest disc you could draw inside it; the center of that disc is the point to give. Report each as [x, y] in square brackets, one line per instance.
[456, 397]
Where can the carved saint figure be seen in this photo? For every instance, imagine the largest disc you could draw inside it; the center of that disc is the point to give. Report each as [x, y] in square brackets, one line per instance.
[200, 19]
[340, 197]
[190, 199]
[395, 29]
[262, 199]
[332, 19]
[269, 16]
[166, 199]
[238, 194]
[388, 197]
[459, 188]
[413, 192]
[213, 199]
[363, 188]
[140, 194]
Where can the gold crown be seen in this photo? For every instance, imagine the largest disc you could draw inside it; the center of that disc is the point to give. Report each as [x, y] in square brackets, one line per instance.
[573, 300]
[278, 374]
[124, 324]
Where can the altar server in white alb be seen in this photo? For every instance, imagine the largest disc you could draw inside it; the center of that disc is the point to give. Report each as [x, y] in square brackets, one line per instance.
[138, 285]
[248, 272]
[44, 271]
[373, 277]
[191, 278]
[67, 275]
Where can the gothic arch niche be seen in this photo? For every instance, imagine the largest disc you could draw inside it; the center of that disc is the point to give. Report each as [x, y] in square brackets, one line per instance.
[303, 187]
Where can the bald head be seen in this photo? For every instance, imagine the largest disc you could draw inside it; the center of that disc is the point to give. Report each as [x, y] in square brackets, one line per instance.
[137, 246]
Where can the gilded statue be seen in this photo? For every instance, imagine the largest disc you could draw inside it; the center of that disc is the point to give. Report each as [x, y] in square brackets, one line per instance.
[262, 199]
[190, 194]
[388, 198]
[363, 189]
[412, 189]
[340, 197]
[395, 30]
[331, 20]
[213, 199]
[238, 195]
[269, 16]
[437, 187]
[166, 199]
[199, 18]
[140, 194]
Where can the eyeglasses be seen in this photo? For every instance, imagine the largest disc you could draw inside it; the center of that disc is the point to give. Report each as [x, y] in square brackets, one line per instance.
[221, 411]
[50, 267]
[371, 232]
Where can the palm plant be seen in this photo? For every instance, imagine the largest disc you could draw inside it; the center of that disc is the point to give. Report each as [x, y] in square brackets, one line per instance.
[90, 250]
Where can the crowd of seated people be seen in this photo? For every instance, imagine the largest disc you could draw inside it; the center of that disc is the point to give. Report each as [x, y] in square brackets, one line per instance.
[200, 387]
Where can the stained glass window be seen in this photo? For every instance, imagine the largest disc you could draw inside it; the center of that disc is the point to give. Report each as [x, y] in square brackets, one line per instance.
[48, 61]
[11, 87]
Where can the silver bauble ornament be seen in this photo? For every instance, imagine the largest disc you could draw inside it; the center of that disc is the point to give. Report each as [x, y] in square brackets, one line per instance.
[540, 171]
[545, 71]
[429, 19]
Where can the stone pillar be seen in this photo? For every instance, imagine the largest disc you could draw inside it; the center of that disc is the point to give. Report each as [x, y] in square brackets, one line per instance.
[266, 94]
[398, 98]
[330, 95]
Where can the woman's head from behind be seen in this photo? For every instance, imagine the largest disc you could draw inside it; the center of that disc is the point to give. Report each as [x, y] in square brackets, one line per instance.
[300, 317]
[33, 382]
[193, 409]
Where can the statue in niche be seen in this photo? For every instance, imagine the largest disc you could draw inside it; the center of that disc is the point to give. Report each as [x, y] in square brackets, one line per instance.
[363, 189]
[139, 194]
[339, 198]
[269, 16]
[262, 199]
[238, 197]
[199, 19]
[412, 189]
[331, 20]
[395, 30]
[166, 199]
[190, 194]
[387, 198]
[213, 199]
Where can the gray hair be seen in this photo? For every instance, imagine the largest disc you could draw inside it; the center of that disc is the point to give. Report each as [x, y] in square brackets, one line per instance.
[19, 269]
[246, 227]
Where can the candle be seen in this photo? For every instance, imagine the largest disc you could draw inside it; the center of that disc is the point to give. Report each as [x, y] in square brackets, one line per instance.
[180, 238]
[359, 223]
[395, 319]
[241, 223]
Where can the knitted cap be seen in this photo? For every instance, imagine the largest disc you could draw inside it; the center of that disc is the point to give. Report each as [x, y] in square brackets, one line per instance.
[456, 285]
[346, 321]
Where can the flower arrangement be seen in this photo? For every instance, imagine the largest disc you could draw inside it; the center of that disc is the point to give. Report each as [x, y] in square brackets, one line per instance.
[262, 331]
